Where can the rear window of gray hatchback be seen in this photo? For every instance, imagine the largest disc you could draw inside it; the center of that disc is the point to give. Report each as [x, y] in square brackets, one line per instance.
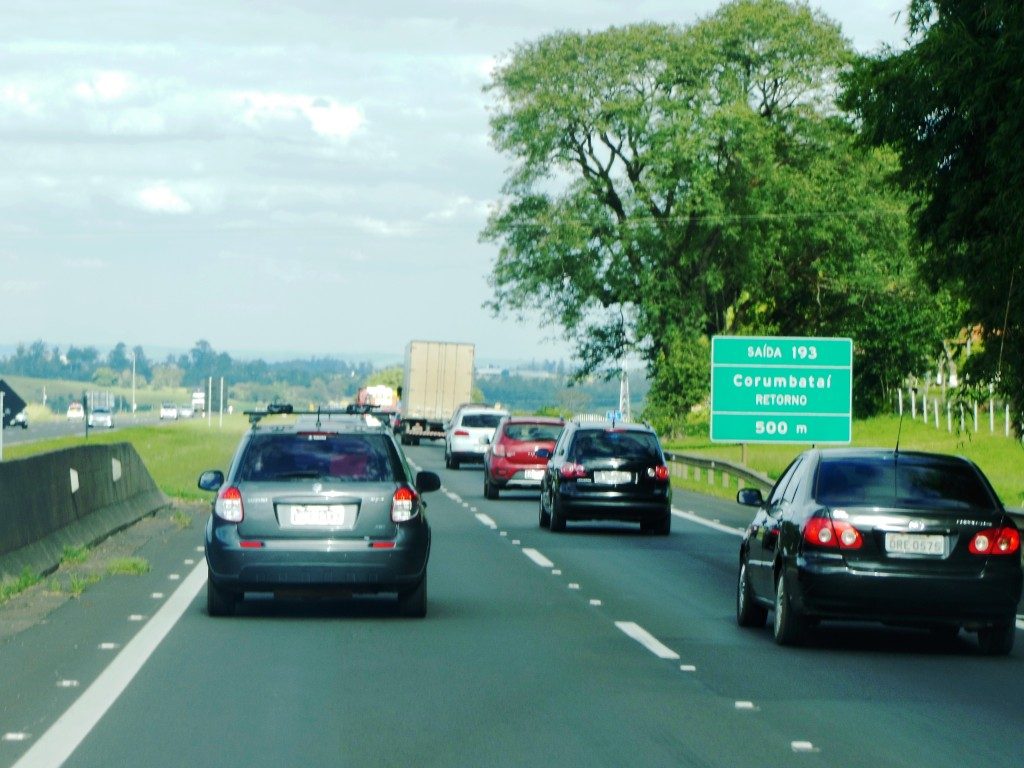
[909, 481]
[346, 457]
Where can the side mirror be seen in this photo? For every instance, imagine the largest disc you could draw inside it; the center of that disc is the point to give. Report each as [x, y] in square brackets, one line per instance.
[542, 453]
[750, 497]
[211, 480]
[427, 482]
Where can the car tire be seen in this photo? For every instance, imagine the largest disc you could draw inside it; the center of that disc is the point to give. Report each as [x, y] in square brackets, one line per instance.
[557, 520]
[788, 625]
[748, 612]
[660, 527]
[219, 601]
[490, 490]
[997, 640]
[412, 603]
[543, 518]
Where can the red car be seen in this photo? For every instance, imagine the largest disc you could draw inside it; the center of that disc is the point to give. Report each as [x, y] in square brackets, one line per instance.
[512, 459]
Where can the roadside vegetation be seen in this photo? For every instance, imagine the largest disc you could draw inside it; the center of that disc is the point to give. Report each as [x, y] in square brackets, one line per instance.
[998, 457]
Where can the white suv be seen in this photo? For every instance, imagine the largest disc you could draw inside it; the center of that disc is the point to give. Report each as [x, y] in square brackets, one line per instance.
[468, 434]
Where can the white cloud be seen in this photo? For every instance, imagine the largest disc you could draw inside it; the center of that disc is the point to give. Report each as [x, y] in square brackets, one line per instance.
[19, 287]
[104, 87]
[325, 116]
[87, 263]
[160, 198]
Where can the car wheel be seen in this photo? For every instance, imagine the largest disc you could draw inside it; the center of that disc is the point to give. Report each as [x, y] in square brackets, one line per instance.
[557, 519]
[413, 603]
[543, 519]
[219, 601]
[997, 640]
[490, 489]
[661, 527]
[788, 627]
[748, 612]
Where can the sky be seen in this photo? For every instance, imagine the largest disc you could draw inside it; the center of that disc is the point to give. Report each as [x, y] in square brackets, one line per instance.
[280, 179]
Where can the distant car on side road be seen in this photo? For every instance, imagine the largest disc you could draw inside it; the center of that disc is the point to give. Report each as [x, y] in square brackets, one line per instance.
[168, 411]
[76, 412]
[101, 417]
[185, 412]
[20, 420]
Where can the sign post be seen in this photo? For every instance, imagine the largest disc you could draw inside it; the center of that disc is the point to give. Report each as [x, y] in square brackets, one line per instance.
[778, 389]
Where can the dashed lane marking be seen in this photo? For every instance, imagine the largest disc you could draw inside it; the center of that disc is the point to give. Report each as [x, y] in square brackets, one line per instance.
[803, 746]
[486, 521]
[537, 557]
[693, 518]
[646, 639]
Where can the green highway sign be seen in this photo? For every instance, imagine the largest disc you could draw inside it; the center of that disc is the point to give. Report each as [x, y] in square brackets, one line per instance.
[776, 389]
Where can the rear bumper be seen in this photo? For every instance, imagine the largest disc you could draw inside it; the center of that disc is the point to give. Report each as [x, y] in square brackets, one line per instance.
[833, 591]
[504, 475]
[594, 506]
[339, 565]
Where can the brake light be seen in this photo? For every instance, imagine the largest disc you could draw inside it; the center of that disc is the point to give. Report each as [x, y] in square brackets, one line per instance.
[832, 534]
[404, 505]
[996, 541]
[229, 505]
[658, 473]
[461, 433]
[571, 471]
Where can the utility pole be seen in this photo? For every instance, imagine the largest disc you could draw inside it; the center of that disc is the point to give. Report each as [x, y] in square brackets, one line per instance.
[624, 410]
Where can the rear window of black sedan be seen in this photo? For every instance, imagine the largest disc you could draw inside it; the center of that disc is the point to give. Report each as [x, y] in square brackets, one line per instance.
[922, 482]
[349, 457]
[615, 444]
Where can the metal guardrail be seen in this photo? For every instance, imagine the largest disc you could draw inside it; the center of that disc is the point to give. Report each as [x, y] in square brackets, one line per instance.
[726, 470]
[722, 468]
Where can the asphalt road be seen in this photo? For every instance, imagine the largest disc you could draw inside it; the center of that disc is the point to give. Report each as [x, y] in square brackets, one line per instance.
[598, 647]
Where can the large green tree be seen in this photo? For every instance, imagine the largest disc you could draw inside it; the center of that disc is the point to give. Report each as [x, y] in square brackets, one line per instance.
[669, 184]
[952, 104]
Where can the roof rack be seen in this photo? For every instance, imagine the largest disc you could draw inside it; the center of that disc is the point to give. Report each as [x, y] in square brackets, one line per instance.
[285, 409]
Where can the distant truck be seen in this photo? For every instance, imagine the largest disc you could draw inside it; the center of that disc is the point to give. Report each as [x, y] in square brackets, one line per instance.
[438, 378]
[378, 396]
[199, 401]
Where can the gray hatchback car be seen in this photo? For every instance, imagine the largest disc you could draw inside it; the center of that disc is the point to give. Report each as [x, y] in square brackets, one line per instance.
[319, 505]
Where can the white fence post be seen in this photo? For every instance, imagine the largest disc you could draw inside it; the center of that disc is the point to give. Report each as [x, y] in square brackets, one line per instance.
[936, 402]
[900, 393]
[913, 405]
[949, 417]
[975, 415]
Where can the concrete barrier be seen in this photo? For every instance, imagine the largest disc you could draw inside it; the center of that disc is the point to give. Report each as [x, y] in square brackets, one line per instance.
[73, 497]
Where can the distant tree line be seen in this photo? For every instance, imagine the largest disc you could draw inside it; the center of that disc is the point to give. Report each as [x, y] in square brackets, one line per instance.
[192, 369]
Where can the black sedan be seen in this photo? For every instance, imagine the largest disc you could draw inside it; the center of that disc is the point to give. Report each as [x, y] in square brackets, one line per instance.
[910, 539]
[323, 504]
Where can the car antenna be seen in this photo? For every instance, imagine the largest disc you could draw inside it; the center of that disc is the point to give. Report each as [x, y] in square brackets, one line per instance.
[899, 429]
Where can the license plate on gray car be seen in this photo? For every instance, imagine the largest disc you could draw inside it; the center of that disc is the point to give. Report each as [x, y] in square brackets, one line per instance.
[322, 515]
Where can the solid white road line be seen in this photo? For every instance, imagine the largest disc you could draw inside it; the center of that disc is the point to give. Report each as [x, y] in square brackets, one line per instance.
[647, 640]
[537, 557]
[709, 523]
[63, 737]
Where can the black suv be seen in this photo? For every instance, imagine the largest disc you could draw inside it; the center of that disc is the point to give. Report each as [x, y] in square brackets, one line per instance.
[607, 471]
[321, 503]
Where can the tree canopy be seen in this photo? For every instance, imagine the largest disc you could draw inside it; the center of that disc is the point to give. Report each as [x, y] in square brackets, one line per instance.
[673, 183]
[952, 105]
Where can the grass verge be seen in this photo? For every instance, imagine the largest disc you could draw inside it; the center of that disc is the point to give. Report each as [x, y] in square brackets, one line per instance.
[999, 457]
